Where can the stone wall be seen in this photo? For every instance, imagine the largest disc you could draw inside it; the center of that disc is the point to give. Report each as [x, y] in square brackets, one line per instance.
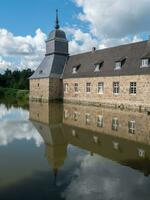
[55, 88]
[123, 99]
[39, 89]
[45, 89]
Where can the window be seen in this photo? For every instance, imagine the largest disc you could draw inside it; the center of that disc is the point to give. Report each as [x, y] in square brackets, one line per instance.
[100, 121]
[141, 153]
[38, 84]
[100, 88]
[98, 66]
[132, 87]
[88, 87]
[74, 134]
[131, 127]
[145, 62]
[76, 87]
[116, 87]
[41, 71]
[76, 116]
[74, 70]
[115, 145]
[115, 124]
[66, 88]
[66, 114]
[117, 65]
[95, 139]
[87, 119]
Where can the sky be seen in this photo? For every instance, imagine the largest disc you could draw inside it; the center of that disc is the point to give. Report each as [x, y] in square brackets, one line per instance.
[25, 24]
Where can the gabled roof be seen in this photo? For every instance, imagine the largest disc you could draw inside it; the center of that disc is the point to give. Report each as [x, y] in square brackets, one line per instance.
[132, 52]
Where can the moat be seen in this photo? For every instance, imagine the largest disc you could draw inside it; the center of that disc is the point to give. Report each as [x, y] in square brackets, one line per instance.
[65, 151]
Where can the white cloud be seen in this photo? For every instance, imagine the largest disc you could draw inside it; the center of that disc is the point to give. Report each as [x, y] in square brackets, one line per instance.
[80, 41]
[27, 51]
[115, 18]
[14, 125]
[4, 64]
[19, 45]
[110, 23]
[99, 178]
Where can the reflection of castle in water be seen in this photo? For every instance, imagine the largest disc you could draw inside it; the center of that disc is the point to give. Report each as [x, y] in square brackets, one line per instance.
[120, 136]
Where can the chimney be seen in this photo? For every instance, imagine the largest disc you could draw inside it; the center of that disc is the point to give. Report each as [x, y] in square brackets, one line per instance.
[93, 49]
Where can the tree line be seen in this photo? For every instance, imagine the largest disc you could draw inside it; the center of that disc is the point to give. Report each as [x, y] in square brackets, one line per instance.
[16, 79]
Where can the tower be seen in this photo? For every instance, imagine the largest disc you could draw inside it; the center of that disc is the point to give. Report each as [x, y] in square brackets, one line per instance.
[46, 83]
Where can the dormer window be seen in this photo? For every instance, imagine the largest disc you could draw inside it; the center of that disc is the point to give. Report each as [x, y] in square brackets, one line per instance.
[75, 69]
[41, 71]
[118, 65]
[98, 66]
[145, 62]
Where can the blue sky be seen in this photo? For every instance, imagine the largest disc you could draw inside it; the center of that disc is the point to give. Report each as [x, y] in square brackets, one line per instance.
[23, 17]
[24, 25]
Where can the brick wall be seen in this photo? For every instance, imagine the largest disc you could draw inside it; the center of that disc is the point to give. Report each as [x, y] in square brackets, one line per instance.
[124, 97]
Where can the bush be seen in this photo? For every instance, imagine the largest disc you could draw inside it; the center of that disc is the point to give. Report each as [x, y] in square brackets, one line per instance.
[2, 92]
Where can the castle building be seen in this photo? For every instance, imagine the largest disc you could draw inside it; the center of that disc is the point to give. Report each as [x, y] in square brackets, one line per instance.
[116, 77]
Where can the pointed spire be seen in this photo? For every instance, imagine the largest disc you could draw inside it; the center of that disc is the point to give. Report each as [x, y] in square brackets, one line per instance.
[55, 175]
[57, 21]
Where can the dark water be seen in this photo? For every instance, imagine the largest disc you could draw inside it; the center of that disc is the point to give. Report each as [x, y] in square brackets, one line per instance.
[71, 152]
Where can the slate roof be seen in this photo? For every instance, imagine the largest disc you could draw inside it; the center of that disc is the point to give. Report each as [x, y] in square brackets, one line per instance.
[51, 66]
[133, 53]
[55, 58]
[57, 33]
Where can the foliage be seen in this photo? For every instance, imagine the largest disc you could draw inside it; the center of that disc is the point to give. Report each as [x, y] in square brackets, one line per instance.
[14, 96]
[16, 79]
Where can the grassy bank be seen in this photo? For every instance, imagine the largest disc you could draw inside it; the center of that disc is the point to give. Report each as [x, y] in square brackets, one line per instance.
[14, 96]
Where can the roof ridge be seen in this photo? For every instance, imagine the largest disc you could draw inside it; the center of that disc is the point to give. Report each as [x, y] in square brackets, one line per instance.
[104, 49]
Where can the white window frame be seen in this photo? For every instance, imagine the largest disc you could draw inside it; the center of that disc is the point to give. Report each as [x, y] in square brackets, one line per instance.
[87, 119]
[115, 124]
[66, 114]
[88, 87]
[66, 86]
[145, 62]
[97, 67]
[118, 65]
[116, 88]
[100, 88]
[100, 121]
[74, 70]
[76, 116]
[115, 145]
[133, 88]
[141, 153]
[76, 87]
[131, 126]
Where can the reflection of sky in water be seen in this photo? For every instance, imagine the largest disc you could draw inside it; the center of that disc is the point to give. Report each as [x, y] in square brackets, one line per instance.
[98, 178]
[26, 174]
[13, 114]
[14, 124]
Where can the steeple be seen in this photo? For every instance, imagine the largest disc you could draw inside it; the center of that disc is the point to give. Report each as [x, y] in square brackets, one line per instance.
[57, 20]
